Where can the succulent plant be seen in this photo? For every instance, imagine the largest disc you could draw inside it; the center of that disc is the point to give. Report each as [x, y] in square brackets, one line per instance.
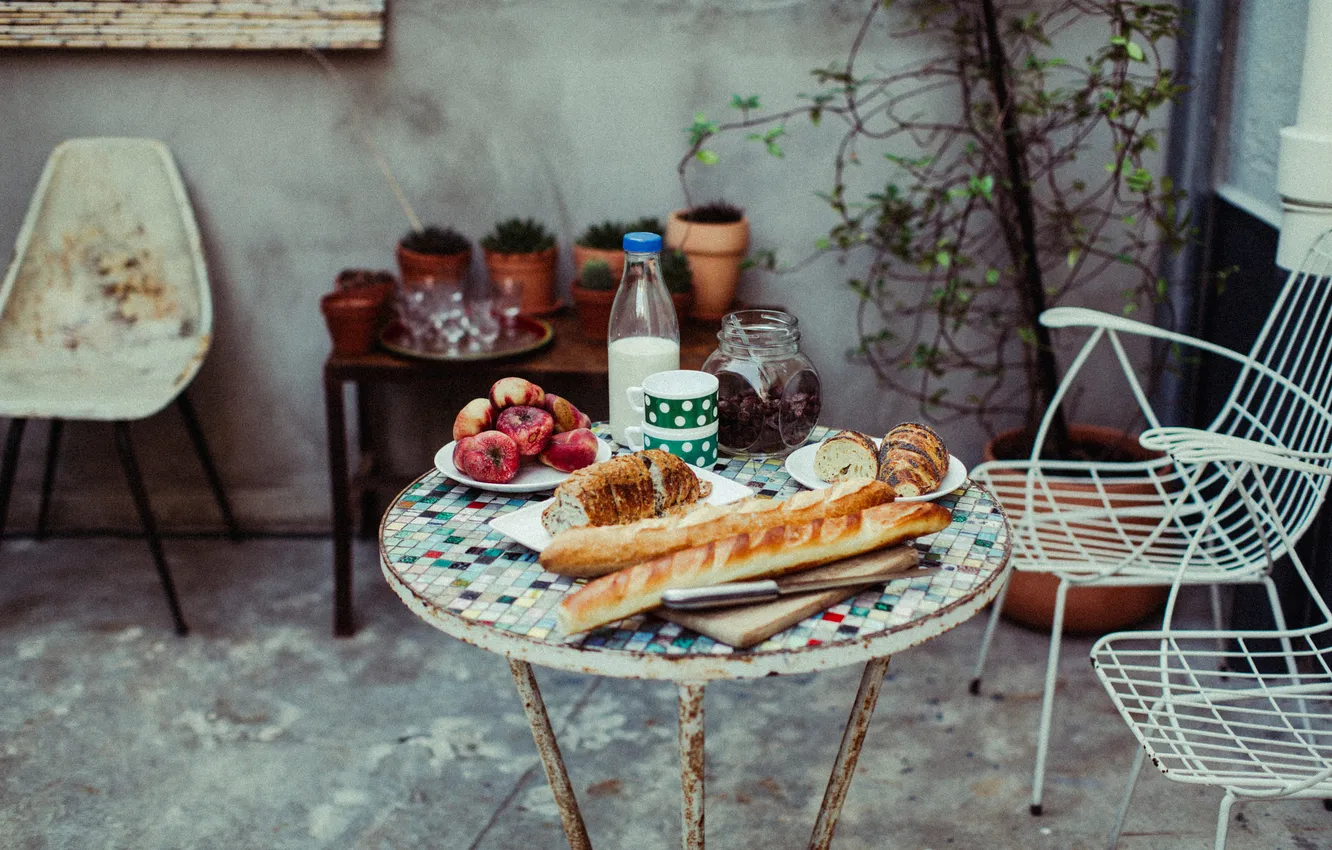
[675, 272]
[596, 274]
[607, 236]
[438, 241]
[518, 236]
[713, 212]
[647, 224]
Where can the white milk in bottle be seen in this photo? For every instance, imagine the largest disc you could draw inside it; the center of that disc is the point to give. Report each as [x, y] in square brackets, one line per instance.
[630, 361]
[644, 334]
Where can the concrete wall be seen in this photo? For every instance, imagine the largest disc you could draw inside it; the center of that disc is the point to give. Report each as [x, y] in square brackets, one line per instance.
[1268, 55]
[567, 110]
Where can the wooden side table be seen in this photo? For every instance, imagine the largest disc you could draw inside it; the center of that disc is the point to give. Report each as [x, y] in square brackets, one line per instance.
[571, 362]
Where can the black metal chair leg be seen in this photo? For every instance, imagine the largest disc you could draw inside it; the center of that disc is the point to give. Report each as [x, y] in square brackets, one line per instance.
[126, 451]
[9, 467]
[48, 477]
[206, 460]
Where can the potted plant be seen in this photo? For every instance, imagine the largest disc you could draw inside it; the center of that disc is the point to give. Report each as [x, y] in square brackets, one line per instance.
[353, 319]
[433, 252]
[679, 280]
[1031, 185]
[524, 250]
[602, 242]
[715, 237]
[594, 293]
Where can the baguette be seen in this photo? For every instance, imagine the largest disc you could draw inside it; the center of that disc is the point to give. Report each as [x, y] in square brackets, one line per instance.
[761, 554]
[590, 552]
[623, 489]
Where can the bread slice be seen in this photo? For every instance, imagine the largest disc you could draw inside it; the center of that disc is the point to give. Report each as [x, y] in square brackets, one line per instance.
[623, 489]
[913, 459]
[846, 455]
[760, 554]
[590, 552]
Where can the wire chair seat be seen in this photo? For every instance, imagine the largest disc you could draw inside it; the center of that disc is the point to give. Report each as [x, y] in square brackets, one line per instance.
[1131, 523]
[1216, 717]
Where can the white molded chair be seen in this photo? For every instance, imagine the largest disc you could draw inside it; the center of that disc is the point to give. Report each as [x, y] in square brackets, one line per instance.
[1245, 718]
[105, 312]
[1200, 529]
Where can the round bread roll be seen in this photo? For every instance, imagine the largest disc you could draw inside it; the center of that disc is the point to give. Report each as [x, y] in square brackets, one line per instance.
[846, 455]
[913, 459]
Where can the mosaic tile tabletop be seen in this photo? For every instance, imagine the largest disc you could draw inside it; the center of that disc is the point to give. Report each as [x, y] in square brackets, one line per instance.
[455, 570]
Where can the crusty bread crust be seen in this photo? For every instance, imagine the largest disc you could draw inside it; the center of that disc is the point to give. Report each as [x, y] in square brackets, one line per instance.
[913, 459]
[760, 554]
[844, 456]
[589, 552]
[622, 490]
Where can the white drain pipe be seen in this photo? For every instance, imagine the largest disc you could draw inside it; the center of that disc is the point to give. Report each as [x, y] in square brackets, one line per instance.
[1304, 166]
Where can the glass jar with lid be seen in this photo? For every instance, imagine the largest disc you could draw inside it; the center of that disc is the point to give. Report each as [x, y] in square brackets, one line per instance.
[769, 395]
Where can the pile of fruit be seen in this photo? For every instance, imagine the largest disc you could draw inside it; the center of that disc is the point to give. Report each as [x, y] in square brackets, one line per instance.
[519, 420]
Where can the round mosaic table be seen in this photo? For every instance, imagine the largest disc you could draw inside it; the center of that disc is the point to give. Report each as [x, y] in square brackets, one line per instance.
[439, 553]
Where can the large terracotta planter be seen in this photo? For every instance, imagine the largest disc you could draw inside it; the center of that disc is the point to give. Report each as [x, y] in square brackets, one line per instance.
[715, 252]
[612, 258]
[1030, 597]
[594, 309]
[536, 271]
[352, 319]
[416, 268]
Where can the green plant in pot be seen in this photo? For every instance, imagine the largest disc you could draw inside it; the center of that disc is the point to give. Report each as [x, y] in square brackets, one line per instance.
[715, 238]
[594, 294]
[525, 251]
[433, 252]
[603, 241]
[974, 190]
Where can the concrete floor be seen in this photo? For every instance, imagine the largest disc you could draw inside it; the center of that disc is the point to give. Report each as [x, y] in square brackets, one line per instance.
[260, 730]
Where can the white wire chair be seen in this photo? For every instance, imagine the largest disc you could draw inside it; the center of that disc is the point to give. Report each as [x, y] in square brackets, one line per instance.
[1254, 721]
[1181, 520]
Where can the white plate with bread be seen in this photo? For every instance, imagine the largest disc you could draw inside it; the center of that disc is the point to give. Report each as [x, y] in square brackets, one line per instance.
[910, 458]
[525, 526]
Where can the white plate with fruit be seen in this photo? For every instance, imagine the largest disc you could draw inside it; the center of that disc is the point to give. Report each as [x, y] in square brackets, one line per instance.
[519, 439]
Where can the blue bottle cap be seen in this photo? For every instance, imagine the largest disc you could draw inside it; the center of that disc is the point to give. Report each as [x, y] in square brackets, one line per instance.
[642, 243]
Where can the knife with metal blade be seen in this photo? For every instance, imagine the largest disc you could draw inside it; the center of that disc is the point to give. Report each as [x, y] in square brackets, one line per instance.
[746, 592]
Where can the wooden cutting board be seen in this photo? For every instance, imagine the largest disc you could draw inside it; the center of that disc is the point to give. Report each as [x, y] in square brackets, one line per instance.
[745, 625]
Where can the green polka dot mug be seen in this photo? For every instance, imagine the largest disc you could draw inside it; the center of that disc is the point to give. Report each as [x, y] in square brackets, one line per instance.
[697, 446]
[681, 399]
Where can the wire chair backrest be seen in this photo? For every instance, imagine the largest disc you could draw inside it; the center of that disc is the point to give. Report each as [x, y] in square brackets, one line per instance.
[1296, 343]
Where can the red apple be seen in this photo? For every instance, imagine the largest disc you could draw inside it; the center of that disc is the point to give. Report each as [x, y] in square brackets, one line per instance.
[530, 427]
[476, 416]
[571, 450]
[511, 392]
[490, 456]
[567, 417]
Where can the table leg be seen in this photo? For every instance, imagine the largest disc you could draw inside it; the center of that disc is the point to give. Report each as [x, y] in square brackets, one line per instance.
[549, 748]
[335, 416]
[691, 764]
[853, 737]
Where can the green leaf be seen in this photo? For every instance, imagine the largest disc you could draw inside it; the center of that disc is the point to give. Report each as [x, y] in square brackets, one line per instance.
[1135, 52]
[992, 276]
[708, 157]
[1073, 256]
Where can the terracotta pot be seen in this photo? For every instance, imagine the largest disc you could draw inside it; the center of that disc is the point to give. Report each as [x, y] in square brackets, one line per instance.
[537, 274]
[594, 309]
[415, 267]
[1030, 598]
[715, 252]
[682, 301]
[352, 319]
[373, 283]
[613, 258]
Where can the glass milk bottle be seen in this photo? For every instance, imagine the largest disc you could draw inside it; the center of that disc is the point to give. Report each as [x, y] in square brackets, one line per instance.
[644, 334]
